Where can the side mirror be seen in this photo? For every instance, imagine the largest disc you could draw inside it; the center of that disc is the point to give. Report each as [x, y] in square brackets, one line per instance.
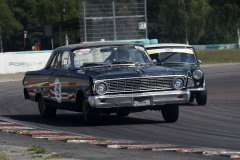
[199, 61]
[155, 61]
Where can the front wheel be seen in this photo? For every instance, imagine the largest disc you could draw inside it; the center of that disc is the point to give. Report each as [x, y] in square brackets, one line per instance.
[45, 110]
[191, 97]
[201, 97]
[89, 115]
[170, 113]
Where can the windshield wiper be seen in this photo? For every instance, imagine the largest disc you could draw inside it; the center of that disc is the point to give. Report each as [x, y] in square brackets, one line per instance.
[94, 64]
[123, 62]
[164, 59]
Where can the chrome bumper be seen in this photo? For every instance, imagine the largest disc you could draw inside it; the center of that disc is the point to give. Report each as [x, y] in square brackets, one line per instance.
[139, 99]
[197, 89]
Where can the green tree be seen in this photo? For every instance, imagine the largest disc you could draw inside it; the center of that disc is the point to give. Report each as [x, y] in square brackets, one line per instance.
[197, 12]
[9, 25]
[25, 13]
[52, 11]
[157, 27]
[222, 22]
[47, 12]
[71, 12]
[183, 16]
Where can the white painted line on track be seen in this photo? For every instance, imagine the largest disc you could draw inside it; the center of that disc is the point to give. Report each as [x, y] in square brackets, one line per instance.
[14, 127]
[51, 137]
[84, 140]
[235, 156]
[36, 131]
[1, 123]
[131, 144]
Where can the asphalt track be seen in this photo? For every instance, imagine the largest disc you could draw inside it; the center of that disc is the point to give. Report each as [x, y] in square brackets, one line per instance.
[213, 125]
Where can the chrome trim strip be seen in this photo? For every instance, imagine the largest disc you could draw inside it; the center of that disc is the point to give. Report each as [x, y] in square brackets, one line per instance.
[142, 77]
[127, 100]
[197, 89]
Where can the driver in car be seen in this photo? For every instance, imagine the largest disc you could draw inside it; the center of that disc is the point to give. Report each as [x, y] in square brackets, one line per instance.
[123, 54]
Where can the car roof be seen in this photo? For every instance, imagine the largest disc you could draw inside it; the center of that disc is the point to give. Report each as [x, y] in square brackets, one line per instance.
[162, 45]
[95, 44]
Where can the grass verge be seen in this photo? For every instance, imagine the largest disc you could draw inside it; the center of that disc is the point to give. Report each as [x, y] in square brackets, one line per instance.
[38, 149]
[3, 156]
[214, 56]
[41, 150]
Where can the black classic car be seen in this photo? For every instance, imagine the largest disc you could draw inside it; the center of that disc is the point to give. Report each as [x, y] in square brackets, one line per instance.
[106, 77]
[184, 57]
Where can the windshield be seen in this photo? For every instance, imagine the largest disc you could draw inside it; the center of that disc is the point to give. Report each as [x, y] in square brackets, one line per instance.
[108, 55]
[173, 55]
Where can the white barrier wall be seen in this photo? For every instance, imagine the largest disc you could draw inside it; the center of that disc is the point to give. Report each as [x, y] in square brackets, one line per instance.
[14, 62]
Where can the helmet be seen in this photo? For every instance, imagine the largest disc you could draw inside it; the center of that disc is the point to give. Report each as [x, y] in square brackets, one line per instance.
[123, 54]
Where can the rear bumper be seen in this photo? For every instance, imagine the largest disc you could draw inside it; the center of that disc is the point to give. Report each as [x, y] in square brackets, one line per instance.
[139, 99]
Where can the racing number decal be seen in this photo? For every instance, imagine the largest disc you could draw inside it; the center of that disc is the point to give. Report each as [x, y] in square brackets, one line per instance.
[58, 90]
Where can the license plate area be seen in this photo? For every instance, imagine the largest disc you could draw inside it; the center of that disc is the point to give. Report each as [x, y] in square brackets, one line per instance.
[141, 101]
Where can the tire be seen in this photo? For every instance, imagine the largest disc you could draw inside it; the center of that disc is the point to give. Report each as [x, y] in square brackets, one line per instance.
[191, 97]
[170, 113]
[44, 109]
[201, 97]
[122, 114]
[89, 115]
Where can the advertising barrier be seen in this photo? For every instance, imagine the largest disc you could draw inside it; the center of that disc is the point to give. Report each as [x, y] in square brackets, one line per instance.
[14, 62]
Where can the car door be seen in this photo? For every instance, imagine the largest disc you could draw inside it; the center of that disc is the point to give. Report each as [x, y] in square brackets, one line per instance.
[62, 93]
[46, 74]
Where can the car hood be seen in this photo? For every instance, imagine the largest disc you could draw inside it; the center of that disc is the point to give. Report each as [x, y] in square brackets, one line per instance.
[184, 66]
[122, 71]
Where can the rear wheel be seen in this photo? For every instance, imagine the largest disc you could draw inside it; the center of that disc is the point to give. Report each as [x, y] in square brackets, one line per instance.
[44, 109]
[170, 113]
[201, 97]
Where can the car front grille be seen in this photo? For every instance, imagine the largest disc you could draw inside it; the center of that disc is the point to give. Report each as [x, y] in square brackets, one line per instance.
[140, 84]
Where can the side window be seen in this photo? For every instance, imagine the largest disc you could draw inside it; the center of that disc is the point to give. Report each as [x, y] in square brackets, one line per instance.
[63, 60]
[54, 61]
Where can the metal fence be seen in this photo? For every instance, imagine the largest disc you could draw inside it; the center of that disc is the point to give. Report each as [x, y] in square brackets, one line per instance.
[112, 20]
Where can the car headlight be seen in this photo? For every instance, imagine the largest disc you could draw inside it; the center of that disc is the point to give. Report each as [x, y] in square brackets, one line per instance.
[178, 83]
[101, 88]
[197, 74]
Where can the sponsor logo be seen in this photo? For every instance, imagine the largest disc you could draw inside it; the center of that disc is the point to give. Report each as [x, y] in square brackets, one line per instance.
[58, 90]
[178, 84]
[26, 63]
